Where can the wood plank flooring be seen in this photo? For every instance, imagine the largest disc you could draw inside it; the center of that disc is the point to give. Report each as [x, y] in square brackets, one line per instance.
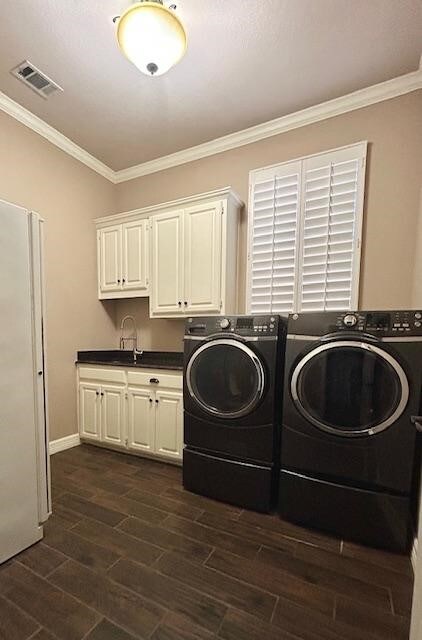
[129, 554]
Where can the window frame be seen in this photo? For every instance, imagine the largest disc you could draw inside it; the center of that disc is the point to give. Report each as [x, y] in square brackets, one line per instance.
[361, 149]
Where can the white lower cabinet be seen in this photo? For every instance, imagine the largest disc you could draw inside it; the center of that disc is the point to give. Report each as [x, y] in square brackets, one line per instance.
[141, 428]
[139, 410]
[89, 411]
[113, 414]
[169, 423]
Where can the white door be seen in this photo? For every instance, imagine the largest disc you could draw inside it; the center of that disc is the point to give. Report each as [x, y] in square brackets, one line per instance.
[416, 626]
[113, 414]
[141, 419]
[89, 410]
[167, 264]
[169, 424]
[202, 247]
[135, 256]
[110, 258]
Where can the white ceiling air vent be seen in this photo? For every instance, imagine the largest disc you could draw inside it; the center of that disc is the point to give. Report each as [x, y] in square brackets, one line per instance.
[35, 79]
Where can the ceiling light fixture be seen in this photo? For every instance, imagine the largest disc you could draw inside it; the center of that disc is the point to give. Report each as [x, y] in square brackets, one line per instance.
[151, 36]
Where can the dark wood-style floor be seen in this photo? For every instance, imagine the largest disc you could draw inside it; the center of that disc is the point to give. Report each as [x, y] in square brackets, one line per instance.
[129, 554]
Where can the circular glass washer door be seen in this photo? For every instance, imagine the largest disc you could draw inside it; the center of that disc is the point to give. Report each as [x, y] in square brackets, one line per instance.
[350, 388]
[226, 378]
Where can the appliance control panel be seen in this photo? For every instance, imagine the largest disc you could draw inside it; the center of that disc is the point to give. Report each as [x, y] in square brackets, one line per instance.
[267, 325]
[378, 323]
[382, 322]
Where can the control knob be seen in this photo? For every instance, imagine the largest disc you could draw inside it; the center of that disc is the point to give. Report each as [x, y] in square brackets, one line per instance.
[225, 323]
[350, 320]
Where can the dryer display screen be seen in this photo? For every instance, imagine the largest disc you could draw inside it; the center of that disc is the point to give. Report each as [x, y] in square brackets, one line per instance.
[378, 321]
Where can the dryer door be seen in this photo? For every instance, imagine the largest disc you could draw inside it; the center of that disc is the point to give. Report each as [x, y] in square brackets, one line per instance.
[226, 378]
[350, 388]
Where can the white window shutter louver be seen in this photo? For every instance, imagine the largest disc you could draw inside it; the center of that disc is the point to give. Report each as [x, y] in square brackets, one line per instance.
[273, 241]
[305, 228]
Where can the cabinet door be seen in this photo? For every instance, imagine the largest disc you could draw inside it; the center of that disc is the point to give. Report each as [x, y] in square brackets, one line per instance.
[135, 256]
[141, 419]
[110, 258]
[167, 264]
[89, 410]
[202, 247]
[169, 424]
[113, 414]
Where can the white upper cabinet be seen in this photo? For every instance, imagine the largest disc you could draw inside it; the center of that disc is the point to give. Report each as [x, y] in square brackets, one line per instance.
[202, 254]
[167, 264]
[135, 256]
[123, 260]
[183, 254]
[110, 258]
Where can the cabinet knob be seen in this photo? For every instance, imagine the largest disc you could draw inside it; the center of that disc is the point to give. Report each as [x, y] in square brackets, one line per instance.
[118, 281]
[154, 380]
[102, 393]
[179, 303]
[123, 280]
[185, 303]
[150, 399]
[97, 393]
[156, 401]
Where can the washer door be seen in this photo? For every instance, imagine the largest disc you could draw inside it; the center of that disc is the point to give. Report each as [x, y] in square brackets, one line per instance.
[350, 388]
[225, 378]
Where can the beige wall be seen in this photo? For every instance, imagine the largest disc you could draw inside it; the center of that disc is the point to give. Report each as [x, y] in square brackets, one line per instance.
[394, 176]
[417, 272]
[37, 175]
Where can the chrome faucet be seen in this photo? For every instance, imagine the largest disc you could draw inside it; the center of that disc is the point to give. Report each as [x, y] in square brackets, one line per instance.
[133, 338]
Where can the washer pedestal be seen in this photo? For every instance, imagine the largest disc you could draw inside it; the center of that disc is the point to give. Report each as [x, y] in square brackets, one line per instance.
[370, 517]
[245, 485]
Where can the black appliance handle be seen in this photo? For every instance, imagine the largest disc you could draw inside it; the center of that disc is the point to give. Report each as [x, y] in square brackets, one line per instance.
[417, 421]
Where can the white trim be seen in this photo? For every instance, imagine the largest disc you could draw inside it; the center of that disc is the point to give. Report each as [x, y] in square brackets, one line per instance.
[350, 102]
[414, 554]
[64, 443]
[224, 193]
[35, 123]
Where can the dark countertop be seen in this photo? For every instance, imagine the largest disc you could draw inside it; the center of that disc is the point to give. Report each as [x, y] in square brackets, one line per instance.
[148, 359]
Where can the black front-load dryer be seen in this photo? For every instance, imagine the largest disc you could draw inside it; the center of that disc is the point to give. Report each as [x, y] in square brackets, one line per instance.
[352, 384]
[232, 411]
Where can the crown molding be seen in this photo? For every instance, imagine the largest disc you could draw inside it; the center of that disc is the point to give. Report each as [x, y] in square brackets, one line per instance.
[180, 203]
[35, 123]
[350, 102]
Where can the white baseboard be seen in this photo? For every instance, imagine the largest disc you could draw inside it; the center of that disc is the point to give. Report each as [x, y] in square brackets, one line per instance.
[414, 554]
[64, 443]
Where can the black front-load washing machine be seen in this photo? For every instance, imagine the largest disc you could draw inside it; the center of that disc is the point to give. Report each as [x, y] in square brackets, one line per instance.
[232, 409]
[348, 446]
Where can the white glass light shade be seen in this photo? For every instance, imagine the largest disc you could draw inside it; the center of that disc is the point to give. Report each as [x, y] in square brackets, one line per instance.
[152, 37]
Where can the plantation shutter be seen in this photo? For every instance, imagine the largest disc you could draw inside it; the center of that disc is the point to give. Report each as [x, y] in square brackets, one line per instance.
[273, 242]
[305, 233]
[332, 194]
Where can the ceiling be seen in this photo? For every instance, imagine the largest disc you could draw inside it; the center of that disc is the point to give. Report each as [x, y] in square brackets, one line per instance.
[248, 61]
